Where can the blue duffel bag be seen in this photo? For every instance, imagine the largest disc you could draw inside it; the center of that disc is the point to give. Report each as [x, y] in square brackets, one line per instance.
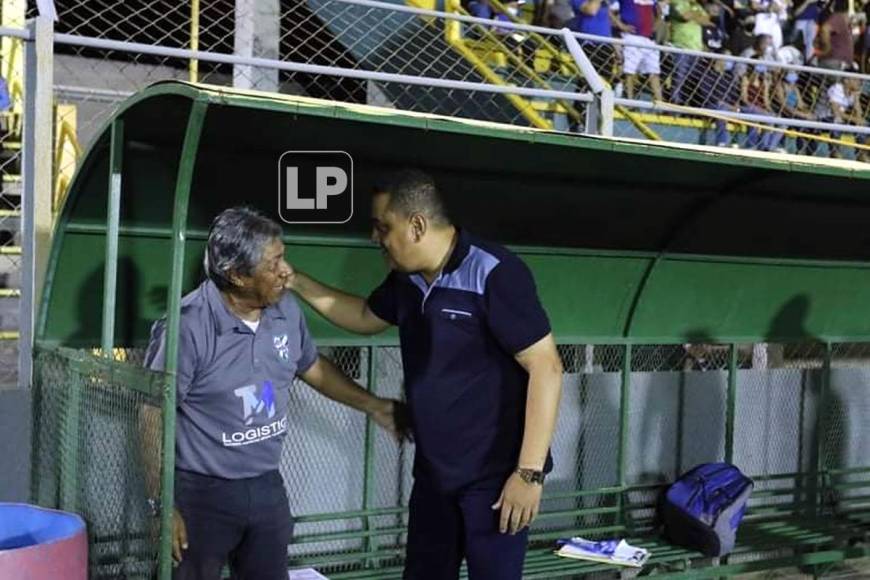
[703, 509]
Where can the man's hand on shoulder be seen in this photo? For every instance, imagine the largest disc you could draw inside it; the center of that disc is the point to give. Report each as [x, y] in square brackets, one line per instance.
[292, 278]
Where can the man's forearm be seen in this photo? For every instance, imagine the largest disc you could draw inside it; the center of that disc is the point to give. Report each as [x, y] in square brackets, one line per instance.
[150, 441]
[340, 308]
[327, 380]
[542, 404]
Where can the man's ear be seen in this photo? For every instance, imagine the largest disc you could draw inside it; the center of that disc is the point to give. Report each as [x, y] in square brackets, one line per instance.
[419, 225]
[236, 280]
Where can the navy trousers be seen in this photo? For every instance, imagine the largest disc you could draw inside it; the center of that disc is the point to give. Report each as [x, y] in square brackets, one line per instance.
[245, 523]
[444, 529]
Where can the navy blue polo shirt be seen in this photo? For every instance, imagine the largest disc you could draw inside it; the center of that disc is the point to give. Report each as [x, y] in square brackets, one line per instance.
[466, 393]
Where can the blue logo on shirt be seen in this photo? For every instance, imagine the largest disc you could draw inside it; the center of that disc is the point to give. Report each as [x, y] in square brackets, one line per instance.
[254, 404]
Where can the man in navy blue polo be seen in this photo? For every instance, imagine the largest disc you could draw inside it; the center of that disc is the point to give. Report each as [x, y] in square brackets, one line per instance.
[242, 341]
[482, 380]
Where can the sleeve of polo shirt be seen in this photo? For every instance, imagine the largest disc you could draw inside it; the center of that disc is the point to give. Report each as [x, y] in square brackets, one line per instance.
[188, 356]
[308, 349]
[383, 300]
[514, 313]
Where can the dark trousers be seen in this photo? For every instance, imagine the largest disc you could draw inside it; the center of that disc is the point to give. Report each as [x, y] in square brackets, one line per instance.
[445, 528]
[245, 523]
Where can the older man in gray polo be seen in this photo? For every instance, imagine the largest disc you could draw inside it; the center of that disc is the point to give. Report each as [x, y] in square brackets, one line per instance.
[243, 339]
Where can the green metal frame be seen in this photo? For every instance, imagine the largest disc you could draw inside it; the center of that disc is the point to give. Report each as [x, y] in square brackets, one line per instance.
[112, 224]
[179, 223]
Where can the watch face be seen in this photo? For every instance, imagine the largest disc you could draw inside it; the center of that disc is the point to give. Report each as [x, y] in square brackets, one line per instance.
[532, 476]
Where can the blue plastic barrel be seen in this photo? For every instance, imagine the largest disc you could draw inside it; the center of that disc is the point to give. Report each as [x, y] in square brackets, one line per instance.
[41, 544]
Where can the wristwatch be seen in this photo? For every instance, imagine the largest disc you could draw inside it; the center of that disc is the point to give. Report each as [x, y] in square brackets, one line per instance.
[532, 476]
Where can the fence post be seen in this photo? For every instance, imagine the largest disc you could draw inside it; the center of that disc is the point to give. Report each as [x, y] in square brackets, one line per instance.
[599, 114]
[184, 179]
[622, 451]
[731, 403]
[116, 158]
[36, 172]
[821, 477]
[369, 456]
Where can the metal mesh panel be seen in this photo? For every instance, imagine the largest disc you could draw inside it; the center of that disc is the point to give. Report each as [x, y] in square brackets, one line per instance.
[585, 444]
[323, 462]
[96, 422]
[322, 32]
[676, 418]
[845, 416]
[776, 425]
[11, 123]
[677, 404]
[392, 478]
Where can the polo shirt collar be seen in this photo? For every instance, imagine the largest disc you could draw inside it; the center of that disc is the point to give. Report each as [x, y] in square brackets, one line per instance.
[225, 320]
[460, 251]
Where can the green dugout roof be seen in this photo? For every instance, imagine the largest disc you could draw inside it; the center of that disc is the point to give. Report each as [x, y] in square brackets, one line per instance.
[630, 241]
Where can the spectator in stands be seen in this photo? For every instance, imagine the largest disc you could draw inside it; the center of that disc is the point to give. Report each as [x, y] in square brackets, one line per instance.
[715, 35]
[687, 18]
[787, 94]
[639, 18]
[242, 341]
[769, 16]
[755, 99]
[841, 104]
[515, 40]
[481, 9]
[865, 48]
[5, 99]
[836, 45]
[740, 37]
[761, 49]
[719, 88]
[806, 15]
[594, 17]
[556, 13]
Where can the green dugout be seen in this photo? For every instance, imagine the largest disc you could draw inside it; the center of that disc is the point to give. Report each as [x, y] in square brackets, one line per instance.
[709, 305]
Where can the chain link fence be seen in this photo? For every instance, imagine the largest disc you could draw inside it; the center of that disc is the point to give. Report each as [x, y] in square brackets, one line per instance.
[675, 413]
[11, 123]
[377, 37]
[97, 436]
[809, 105]
[792, 416]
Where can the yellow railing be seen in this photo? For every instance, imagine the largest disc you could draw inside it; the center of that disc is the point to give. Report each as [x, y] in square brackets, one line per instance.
[67, 152]
[454, 37]
[193, 67]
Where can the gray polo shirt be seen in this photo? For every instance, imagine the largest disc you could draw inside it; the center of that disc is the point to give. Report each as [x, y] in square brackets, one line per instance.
[233, 384]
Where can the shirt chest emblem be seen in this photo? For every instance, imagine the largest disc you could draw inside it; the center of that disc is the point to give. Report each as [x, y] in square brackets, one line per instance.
[282, 346]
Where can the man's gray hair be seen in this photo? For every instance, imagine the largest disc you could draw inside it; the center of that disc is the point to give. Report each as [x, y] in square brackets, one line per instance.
[236, 241]
[414, 191]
